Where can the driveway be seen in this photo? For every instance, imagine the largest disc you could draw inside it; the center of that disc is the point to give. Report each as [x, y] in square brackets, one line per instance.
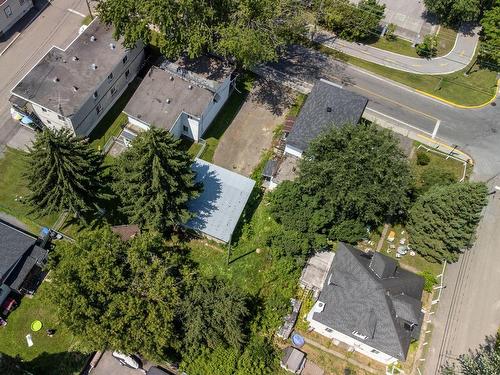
[251, 132]
[110, 366]
[457, 59]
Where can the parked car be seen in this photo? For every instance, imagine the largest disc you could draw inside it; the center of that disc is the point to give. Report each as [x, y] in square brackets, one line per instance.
[127, 360]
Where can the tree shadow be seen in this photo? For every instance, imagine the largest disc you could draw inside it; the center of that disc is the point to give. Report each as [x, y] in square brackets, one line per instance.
[25, 21]
[64, 363]
[274, 96]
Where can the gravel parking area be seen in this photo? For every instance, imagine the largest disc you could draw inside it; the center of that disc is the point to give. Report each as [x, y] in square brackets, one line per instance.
[251, 131]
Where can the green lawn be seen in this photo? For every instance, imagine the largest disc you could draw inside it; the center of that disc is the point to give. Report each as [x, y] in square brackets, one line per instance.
[475, 89]
[114, 120]
[398, 45]
[49, 355]
[226, 115]
[446, 40]
[437, 160]
[13, 188]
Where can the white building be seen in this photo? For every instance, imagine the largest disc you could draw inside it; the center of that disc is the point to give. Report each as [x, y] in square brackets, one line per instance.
[182, 97]
[75, 87]
[370, 304]
[12, 11]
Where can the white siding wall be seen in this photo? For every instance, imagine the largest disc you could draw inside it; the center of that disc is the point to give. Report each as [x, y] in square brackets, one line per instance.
[85, 120]
[359, 346]
[293, 151]
[213, 107]
[138, 123]
[16, 9]
[52, 119]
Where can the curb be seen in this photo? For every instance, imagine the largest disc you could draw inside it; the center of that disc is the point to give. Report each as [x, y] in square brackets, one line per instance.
[460, 106]
[10, 43]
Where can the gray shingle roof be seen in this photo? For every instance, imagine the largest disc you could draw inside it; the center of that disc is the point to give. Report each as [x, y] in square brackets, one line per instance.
[327, 105]
[219, 207]
[13, 244]
[356, 299]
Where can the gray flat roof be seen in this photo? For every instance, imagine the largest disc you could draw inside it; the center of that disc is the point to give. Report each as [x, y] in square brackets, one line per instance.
[149, 102]
[40, 85]
[326, 106]
[219, 207]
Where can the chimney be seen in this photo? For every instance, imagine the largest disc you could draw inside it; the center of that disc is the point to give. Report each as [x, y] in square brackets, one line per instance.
[93, 38]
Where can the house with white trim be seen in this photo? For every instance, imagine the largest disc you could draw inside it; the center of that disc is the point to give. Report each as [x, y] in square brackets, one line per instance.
[74, 88]
[369, 304]
[182, 96]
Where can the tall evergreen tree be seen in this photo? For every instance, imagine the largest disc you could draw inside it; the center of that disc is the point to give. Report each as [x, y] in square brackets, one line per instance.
[443, 221]
[64, 173]
[155, 181]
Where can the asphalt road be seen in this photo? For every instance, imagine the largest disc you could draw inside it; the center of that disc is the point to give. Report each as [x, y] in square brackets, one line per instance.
[55, 25]
[469, 310]
[457, 59]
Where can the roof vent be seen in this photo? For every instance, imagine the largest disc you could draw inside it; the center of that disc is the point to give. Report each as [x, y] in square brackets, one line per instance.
[93, 67]
[168, 100]
[56, 79]
[75, 89]
[112, 45]
[171, 78]
[93, 38]
[190, 87]
[328, 109]
[75, 58]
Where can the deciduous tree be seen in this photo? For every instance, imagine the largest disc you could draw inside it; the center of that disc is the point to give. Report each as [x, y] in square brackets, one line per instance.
[64, 173]
[350, 177]
[155, 181]
[454, 12]
[121, 295]
[490, 45]
[442, 222]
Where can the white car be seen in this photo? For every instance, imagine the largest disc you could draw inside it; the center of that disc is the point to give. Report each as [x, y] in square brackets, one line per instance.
[126, 360]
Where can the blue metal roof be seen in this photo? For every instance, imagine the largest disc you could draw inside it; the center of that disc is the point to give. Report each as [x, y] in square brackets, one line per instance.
[219, 207]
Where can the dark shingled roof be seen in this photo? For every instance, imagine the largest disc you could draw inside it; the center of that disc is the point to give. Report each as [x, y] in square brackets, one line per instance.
[36, 256]
[380, 308]
[14, 243]
[327, 105]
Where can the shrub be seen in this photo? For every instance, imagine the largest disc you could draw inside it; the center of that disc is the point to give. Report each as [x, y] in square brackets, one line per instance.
[429, 280]
[428, 48]
[389, 33]
[423, 158]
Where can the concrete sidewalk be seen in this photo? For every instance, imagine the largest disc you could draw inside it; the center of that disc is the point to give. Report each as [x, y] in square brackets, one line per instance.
[457, 59]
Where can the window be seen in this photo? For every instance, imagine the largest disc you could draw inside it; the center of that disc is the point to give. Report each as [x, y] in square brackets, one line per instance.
[360, 335]
[98, 109]
[113, 91]
[110, 77]
[127, 73]
[216, 97]
[48, 122]
[44, 110]
[95, 95]
[125, 58]
[185, 129]
[375, 351]
[328, 330]
[8, 11]
[60, 117]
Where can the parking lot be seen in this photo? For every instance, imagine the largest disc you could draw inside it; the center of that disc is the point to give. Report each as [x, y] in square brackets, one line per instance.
[110, 366]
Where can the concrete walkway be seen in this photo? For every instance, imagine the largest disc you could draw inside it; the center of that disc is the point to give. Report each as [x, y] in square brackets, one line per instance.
[457, 59]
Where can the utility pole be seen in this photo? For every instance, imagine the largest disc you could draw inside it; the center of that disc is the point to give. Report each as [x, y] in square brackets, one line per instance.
[90, 10]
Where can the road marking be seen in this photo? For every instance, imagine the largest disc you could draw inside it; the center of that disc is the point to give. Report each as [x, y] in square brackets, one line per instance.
[462, 53]
[436, 127]
[416, 65]
[76, 12]
[443, 64]
[389, 60]
[399, 121]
